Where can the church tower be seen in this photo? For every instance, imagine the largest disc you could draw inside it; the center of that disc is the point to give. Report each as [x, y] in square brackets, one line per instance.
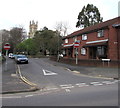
[32, 28]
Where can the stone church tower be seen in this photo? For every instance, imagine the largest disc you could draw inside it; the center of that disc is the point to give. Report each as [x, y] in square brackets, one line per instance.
[32, 28]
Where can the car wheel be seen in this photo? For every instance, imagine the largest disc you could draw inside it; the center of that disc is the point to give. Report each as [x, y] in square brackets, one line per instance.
[17, 62]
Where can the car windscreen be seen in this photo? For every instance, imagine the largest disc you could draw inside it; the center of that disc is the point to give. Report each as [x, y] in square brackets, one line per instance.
[21, 56]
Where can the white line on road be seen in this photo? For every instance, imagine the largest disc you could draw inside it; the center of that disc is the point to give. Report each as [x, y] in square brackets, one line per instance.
[66, 86]
[108, 82]
[51, 88]
[47, 72]
[67, 90]
[11, 97]
[28, 95]
[82, 84]
[96, 83]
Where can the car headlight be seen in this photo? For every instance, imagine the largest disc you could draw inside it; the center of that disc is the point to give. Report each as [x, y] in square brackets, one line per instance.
[18, 59]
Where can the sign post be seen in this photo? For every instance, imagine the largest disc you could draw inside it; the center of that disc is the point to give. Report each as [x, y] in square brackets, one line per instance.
[6, 47]
[76, 45]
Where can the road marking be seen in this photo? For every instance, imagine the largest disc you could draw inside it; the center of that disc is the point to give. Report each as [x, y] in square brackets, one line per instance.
[23, 78]
[108, 82]
[67, 90]
[11, 97]
[47, 72]
[13, 75]
[82, 84]
[66, 86]
[51, 88]
[28, 95]
[96, 83]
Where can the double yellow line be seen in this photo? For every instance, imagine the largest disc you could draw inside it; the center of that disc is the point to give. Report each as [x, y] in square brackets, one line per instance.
[18, 72]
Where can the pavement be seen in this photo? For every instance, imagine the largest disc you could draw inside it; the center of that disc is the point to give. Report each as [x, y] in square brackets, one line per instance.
[101, 72]
[12, 82]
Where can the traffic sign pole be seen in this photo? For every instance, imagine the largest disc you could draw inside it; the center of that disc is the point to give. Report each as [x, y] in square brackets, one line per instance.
[6, 47]
[6, 53]
[6, 59]
[76, 57]
[76, 45]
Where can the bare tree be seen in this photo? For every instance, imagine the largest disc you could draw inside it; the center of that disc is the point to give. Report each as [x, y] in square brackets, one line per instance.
[62, 28]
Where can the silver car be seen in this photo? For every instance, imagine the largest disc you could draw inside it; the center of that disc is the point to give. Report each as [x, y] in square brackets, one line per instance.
[21, 59]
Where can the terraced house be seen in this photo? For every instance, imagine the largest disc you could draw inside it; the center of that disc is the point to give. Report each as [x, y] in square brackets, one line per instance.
[96, 43]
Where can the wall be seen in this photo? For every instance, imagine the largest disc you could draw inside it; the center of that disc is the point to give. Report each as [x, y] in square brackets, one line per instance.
[112, 43]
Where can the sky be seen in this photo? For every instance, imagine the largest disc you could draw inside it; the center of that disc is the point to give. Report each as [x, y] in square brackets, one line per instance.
[49, 13]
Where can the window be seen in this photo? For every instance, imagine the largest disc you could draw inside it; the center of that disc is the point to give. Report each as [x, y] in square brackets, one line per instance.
[83, 51]
[101, 50]
[74, 39]
[66, 40]
[100, 33]
[84, 37]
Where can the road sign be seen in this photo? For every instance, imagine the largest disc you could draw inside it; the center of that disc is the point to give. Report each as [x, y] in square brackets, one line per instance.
[7, 46]
[76, 44]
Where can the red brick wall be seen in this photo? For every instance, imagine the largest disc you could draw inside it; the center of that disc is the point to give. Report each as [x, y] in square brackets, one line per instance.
[91, 37]
[112, 43]
[118, 43]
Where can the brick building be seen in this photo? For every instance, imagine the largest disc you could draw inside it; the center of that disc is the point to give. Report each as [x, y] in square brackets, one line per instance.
[97, 42]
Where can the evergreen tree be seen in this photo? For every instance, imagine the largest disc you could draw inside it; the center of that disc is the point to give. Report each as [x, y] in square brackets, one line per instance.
[89, 15]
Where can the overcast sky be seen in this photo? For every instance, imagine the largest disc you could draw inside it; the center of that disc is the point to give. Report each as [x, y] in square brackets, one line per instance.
[49, 12]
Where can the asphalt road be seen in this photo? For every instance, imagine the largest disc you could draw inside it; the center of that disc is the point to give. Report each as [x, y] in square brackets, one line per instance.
[61, 87]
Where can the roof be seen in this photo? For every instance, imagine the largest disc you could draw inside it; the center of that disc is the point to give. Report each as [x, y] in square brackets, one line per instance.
[95, 27]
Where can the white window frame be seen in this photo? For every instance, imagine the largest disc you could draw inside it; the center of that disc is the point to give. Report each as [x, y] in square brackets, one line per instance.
[100, 33]
[66, 40]
[83, 51]
[74, 39]
[84, 37]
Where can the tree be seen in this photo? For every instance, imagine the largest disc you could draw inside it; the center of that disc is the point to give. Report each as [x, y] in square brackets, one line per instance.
[16, 37]
[28, 46]
[89, 15]
[47, 41]
[62, 28]
[5, 38]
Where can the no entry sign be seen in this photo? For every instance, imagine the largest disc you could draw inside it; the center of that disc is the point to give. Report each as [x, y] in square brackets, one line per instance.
[76, 44]
[7, 46]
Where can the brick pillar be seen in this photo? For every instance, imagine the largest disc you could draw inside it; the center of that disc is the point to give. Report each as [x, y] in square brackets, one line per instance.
[112, 44]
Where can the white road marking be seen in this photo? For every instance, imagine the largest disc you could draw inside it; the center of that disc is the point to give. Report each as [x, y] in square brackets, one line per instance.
[82, 84]
[66, 86]
[51, 88]
[11, 97]
[47, 72]
[28, 95]
[108, 82]
[67, 90]
[13, 75]
[96, 83]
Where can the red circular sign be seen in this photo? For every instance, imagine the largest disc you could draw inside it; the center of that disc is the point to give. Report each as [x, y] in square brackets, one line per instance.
[7, 46]
[76, 44]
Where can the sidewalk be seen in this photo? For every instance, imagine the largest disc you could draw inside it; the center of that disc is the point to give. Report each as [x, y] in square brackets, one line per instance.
[11, 82]
[105, 72]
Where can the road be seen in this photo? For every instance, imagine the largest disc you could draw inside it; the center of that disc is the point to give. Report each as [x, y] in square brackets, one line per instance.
[61, 87]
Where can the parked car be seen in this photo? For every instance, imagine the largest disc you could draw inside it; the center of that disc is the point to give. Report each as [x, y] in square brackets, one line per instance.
[10, 55]
[21, 59]
[14, 55]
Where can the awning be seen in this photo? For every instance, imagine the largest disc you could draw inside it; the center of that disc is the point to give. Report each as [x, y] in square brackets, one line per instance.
[68, 45]
[96, 44]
